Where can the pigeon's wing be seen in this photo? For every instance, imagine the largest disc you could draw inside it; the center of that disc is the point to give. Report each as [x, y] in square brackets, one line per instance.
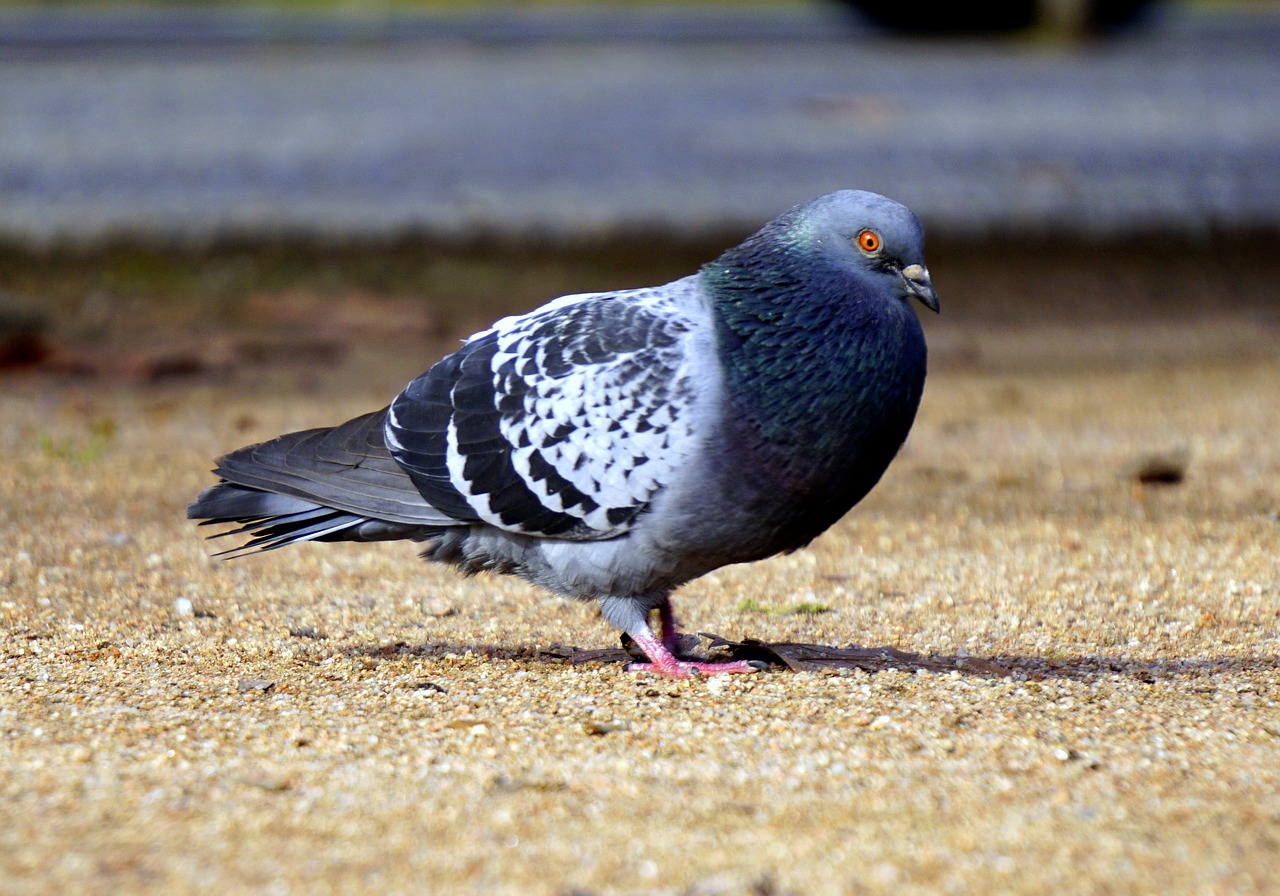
[565, 422]
[343, 468]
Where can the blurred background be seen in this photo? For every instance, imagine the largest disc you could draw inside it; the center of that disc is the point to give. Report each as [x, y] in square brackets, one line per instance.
[311, 175]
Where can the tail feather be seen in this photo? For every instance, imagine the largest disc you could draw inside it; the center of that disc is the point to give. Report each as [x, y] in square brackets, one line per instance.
[228, 501]
[256, 516]
[269, 533]
[338, 484]
[347, 467]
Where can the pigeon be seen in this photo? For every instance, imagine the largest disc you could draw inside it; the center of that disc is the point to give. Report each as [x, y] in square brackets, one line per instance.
[613, 446]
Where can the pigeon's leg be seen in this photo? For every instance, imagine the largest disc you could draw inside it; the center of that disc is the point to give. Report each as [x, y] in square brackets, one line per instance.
[631, 615]
[667, 621]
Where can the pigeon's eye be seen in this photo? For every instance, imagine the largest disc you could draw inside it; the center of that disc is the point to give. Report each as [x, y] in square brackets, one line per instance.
[868, 241]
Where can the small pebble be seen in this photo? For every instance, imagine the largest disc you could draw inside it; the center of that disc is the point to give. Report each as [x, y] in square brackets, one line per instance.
[599, 729]
[438, 607]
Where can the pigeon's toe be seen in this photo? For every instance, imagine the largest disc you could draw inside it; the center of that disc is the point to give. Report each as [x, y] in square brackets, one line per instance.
[680, 669]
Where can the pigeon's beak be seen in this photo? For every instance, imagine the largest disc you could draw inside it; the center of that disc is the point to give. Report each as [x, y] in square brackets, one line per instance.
[916, 279]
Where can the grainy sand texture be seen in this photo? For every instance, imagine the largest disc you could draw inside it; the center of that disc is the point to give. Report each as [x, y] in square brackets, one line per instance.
[1080, 539]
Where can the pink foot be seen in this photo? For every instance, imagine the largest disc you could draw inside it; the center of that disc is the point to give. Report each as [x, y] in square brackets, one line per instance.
[663, 663]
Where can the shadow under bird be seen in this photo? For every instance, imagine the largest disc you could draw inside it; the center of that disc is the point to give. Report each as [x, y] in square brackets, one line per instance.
[613, 446]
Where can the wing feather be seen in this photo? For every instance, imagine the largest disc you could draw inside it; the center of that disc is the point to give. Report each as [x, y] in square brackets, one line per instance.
[565, 422]
[347, 468]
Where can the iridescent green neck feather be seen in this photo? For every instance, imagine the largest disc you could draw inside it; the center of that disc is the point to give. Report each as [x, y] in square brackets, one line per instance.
[823, 371]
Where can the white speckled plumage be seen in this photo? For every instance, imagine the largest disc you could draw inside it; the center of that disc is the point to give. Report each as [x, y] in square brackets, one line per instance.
[623, 438]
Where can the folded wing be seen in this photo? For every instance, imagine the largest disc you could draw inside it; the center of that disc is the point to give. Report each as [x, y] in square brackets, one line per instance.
[566, 422]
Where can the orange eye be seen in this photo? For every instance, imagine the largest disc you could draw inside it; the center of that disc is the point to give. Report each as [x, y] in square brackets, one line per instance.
[869, 241]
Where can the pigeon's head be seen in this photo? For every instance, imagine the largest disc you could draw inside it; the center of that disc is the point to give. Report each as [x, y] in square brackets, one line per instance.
[869, 236]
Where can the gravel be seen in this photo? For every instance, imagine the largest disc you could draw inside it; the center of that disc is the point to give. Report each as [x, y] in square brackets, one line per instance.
[345, 718]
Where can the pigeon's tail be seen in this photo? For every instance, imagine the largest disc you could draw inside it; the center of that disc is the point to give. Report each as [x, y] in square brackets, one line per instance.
[273, 521]
[338, 484]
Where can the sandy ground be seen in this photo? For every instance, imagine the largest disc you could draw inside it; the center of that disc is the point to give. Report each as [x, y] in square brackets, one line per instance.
[347, 719]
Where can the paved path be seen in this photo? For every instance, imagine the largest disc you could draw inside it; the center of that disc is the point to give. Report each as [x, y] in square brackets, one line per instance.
[545, 126]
